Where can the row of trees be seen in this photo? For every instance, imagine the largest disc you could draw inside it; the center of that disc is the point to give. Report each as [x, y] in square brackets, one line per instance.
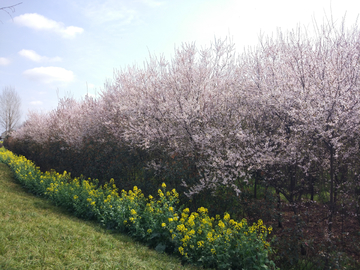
[283, 115]
[287, 110]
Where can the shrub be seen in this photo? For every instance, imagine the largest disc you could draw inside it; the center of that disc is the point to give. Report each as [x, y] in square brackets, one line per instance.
[158, 221]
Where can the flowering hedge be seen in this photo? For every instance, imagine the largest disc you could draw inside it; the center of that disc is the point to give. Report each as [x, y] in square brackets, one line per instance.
[160, 222]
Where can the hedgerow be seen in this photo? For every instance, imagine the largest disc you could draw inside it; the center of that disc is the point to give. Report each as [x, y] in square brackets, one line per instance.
[159, 221]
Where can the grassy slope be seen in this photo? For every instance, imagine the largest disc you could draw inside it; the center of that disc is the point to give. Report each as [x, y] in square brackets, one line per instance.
[37, 235]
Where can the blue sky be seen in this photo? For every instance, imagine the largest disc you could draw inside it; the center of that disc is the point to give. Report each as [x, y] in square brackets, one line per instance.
[51, 49]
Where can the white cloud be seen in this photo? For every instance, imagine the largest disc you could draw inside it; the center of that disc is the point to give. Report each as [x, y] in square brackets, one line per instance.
[33, 56]
[4, 61]
[110, 10]
[39, 22]
[37, 102]
[49, 74]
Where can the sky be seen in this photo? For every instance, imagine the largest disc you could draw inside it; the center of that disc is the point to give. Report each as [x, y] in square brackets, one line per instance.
[53, 49]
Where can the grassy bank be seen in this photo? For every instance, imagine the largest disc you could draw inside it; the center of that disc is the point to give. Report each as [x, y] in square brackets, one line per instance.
[37, 235]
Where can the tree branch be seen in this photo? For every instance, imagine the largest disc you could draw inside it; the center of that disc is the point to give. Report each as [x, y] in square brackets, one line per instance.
[11, 8]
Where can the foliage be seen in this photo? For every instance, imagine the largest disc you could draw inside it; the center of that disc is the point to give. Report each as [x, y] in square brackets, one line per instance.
[35, 234]
[281, 117]
[221, 243]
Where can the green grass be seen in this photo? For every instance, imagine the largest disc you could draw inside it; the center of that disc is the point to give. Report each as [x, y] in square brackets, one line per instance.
[34, 234]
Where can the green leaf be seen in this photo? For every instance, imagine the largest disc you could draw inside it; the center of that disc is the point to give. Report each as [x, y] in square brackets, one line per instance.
[160, 247]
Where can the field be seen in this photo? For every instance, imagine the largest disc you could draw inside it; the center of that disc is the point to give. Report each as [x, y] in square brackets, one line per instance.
[37, 235]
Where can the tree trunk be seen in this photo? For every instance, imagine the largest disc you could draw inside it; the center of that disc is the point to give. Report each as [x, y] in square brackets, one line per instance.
[312, 190]
[331, 205]
[255, 187]
[279, 209]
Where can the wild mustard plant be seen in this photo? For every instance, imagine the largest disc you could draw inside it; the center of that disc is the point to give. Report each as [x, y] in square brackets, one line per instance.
[221, 243]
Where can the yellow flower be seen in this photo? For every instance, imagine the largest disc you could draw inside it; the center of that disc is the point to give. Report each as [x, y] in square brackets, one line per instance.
[170, 220]
[149, 231]
[210, 237]
[75, 197]
[185, 239]
[200, 243]
[202, 210]
[181, 228]
[221, 224]
[181, 250]
[171, 209]
[232, 222]
[213, 251]
[175, 193]
[133, 212]
[163, 224]
[163, 185]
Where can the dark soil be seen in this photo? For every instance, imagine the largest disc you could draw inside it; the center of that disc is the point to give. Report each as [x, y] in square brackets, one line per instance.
[305, 236]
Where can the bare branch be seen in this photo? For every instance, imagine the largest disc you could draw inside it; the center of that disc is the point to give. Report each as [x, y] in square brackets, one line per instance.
[9, 109]
[9, 9]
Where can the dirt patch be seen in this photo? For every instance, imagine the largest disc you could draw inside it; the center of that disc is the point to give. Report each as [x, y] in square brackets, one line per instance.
[306, 235]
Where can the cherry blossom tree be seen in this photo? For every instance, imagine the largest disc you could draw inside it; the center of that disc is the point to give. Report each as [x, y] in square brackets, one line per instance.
[309, 88]
[189, 107]
[287, 110]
